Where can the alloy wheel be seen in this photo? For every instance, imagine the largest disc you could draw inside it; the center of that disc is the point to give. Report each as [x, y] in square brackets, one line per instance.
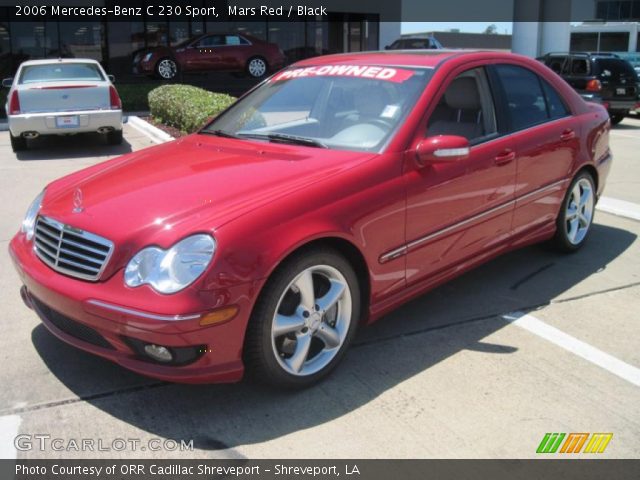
[257, 67]
[167, 69]
[579, 211]
[312, 320]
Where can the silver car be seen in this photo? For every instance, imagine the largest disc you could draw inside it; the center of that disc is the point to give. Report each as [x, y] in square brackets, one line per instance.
[61, 97]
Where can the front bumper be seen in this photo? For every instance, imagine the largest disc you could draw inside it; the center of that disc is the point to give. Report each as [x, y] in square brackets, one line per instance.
[45, 123]
[96, 318]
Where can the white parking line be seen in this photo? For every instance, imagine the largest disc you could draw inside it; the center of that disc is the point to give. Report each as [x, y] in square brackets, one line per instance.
[9, 426]
[621, 208]
[577, 347]
[626, 135]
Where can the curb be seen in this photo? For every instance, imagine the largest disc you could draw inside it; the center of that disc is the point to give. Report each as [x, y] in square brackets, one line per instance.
[154, 133]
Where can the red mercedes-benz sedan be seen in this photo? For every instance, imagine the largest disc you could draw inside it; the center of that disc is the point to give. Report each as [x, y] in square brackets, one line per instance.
[227, 52]
[328, 195]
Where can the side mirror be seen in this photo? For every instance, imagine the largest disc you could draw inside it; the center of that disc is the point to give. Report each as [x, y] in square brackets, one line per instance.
[442, 148]
[7, 82]
[111, 78]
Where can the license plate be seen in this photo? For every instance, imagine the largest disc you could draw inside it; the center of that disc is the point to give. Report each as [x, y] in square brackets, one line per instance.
[68, 121]
[621, 91]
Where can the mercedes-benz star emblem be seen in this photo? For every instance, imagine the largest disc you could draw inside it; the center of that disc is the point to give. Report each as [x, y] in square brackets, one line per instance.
[77, 201]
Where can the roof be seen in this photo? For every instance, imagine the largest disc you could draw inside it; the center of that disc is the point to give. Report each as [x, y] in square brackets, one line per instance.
[48, 61]
[407, 58]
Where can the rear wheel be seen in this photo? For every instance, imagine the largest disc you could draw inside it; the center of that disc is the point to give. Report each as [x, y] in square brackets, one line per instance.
[576, 214]
[616, 118]
[257, 67]
[114, 137]
[18, 143]
[304, 320]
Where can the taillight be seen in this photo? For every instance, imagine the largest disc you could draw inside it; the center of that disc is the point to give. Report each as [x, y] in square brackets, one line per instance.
[594, 85]
[14, 104]
[114, 98]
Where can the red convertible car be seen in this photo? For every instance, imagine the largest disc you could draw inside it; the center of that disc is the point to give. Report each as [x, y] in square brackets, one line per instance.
[228, 52]
[325, 197]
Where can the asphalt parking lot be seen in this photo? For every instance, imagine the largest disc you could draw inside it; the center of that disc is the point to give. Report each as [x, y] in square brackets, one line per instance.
[484, 366]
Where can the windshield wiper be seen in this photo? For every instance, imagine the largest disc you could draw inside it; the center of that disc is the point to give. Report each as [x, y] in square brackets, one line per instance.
[283, 138]
[219, 133]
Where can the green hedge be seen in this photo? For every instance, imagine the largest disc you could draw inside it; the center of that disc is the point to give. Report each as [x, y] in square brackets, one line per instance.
[134, 96]
[185, 107]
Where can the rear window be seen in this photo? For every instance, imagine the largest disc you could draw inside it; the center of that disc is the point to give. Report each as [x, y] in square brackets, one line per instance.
[60, 72]
[613, 67]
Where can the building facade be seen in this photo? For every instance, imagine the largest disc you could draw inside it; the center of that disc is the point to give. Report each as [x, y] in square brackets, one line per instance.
[113, 43]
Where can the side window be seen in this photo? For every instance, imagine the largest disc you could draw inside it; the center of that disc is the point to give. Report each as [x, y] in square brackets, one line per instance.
[555, 105]
[556, 63]
[232, 40]
[210, 41]
[465, 109]
[579, 66]
[526, 103]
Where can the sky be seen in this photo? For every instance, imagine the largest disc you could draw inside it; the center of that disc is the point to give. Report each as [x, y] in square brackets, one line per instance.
[470, 27]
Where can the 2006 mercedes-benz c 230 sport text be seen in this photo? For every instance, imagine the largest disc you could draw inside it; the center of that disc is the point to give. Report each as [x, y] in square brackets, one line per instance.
[328, 195]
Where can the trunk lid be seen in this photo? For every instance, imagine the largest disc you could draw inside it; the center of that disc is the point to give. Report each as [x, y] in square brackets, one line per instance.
[45, 97]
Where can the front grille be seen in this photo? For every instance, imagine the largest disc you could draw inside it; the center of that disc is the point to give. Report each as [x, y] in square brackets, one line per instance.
[71, 251]
[71, 327]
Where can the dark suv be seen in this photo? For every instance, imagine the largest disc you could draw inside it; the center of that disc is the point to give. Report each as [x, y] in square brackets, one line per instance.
[599, 77]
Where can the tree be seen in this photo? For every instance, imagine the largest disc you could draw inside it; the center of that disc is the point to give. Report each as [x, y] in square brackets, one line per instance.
[491, 29]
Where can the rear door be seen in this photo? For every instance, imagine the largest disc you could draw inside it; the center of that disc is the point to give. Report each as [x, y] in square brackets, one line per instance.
[545, 135]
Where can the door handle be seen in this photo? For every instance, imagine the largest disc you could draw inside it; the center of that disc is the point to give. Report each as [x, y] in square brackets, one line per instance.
[504, 157]
[567, 134]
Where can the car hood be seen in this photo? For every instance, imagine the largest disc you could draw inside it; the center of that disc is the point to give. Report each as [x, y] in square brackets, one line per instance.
[197, 183]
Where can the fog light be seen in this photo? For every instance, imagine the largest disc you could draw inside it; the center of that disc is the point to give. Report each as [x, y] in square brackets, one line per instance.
[158, 352]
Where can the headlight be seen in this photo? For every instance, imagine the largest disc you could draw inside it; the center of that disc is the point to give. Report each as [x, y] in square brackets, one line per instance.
[147, 57]
[29, 222]
[169, 271]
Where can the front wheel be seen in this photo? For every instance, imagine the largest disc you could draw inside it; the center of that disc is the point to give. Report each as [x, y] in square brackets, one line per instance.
[576, 214]
[166, 69]
[304, 320]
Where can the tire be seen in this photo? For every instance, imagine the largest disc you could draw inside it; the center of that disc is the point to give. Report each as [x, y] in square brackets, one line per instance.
[114, 137]
[257, 67]
[166, 68]
[292, 342]
[616, 118]
[576, 214]
[18, 144]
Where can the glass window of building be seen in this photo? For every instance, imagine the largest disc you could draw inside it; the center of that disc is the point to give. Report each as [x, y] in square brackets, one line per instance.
[290, 37]
[178, 32]
[82, 40]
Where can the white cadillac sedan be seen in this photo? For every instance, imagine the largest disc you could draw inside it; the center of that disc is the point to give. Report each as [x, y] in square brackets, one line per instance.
[62, 97]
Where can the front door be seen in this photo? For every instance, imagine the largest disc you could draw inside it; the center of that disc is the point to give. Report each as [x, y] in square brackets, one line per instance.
[461, 209]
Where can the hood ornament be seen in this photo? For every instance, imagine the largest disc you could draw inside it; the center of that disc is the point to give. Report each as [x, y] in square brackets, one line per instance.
[77, 201]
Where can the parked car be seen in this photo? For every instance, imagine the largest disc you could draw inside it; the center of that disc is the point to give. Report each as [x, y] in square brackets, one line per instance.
[599, 77]
[416, 42]
[62, 97]
[332, 193]
[229, 52]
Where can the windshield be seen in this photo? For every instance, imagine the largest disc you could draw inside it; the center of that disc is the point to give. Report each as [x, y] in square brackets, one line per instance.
[343, 107]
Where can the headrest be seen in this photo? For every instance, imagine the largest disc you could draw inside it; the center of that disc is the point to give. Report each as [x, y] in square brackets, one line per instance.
[463, 94]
